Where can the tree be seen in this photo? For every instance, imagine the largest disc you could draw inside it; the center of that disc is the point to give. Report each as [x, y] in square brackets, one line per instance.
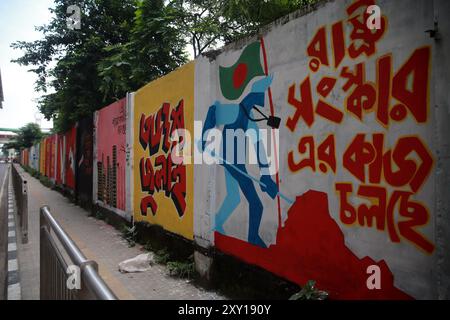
[200, 21]
[123, 44]
[66, 60]
[252, 15]
[207, 23]
[5, 149]
[155, 48]
[27, 136]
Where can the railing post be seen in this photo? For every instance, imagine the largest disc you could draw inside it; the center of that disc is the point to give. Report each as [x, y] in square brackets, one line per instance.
[43, 258]
[42, 264]
[21, 196]
[53, 265]
[24, 220]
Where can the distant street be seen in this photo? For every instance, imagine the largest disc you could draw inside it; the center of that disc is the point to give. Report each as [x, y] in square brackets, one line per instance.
[3, 228]
[3, 167]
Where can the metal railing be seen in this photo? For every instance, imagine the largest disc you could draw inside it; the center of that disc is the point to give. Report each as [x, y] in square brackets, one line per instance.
[54, 274]
[21, 195]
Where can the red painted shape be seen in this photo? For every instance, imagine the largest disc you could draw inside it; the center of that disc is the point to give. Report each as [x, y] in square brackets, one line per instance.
[51, 160]
[59, 162]
[311, 246]
[239, 75]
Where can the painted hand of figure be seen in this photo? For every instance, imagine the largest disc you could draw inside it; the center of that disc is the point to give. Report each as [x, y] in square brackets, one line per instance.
[271, 187]
[263, 84]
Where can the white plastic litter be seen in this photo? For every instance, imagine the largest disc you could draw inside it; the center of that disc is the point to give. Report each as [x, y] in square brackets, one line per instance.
[140, 263]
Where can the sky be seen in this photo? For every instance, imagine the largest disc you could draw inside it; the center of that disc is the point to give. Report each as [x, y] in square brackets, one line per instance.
[17, 22]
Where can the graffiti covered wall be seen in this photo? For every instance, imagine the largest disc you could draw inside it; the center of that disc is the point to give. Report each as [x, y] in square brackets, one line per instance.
[70, 138]
[110, 156]
[48, 155]
[59, 160]
[163, 190]
[84, 162]
[34, 157]
[42, 153]
[356, 165]
[356, 179]
[51, 156]
[25, 157]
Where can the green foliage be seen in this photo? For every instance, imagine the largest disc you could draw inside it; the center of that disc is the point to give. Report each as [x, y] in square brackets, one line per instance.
[181, 269]
[124, 44]
[34, 173]
[28, 135]
[309, 292]
[162, 256]
[151, 247]
[45, 181]
[148, 246]
[155, 48]
[176, 268]
[129, 234]
[201, 22]
[99, 215]
[5, 149]
[208, 23]
[251, 14]
[65, 60]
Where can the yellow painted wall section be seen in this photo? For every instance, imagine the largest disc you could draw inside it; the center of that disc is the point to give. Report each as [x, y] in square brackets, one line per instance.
[42, 157]
[163, 191]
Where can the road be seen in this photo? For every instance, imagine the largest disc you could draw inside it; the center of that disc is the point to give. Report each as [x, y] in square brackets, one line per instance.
[3, 229]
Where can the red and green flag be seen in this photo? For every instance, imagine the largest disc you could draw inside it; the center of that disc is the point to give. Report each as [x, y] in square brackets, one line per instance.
[234, 79]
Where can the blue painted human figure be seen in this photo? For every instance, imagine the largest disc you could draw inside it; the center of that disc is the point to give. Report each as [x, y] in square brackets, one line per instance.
[234, 117]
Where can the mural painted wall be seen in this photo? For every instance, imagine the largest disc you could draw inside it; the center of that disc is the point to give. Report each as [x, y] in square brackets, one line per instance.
[163, 190]
[355, 183]
[110, 155]
[54, 166]
[25, 157]
[70, 138]
[42, 154]
[50, 157]
[60, 160]
[84, 162]
[34, 157]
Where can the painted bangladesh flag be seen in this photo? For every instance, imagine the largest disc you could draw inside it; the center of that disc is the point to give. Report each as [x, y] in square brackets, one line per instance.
[234, 79]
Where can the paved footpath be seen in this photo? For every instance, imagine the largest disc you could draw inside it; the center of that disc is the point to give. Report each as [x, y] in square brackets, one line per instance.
[100, 242]
[3, 230]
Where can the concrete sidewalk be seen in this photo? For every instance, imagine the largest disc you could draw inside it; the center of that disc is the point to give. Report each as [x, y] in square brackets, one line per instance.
[4, 168]
[102, 243]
